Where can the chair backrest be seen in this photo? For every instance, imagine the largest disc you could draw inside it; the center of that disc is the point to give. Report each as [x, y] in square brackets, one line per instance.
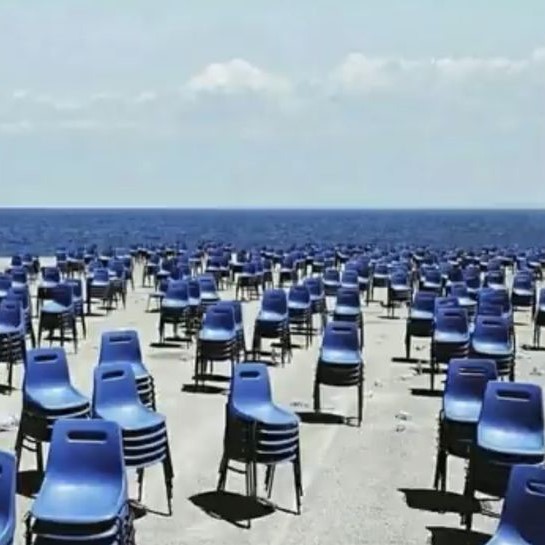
[250, 383]
[446, 302]
[236, 306]
[451, 320]
[495, 277]
[5, 282]
[332, 275]
[177, 289]
[349, 297]
[489, 309]
[341, 336]
[86, 450]
[77, 286]
[399, 278]
[19, 275]
[63, 294]
[424, 301]
[46, 367]
[350, 276]
[275, 300]
[467, 378]
[523, 281]
[299, 294]
[458, 289]
[121, 345]
[541, 297]
[114, 384]
[11, 313]
[433, 276]
[524, 505]
[492, 329]
[207, 283]
[315, 286]
[101, 274]
[515, 407]
[220, 317]
[8, 489]
[51, 274]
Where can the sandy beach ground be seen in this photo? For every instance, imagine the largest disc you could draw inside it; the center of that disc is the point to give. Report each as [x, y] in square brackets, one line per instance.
[368, 485]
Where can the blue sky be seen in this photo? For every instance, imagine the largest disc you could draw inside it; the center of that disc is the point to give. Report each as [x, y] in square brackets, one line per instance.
[253, 104]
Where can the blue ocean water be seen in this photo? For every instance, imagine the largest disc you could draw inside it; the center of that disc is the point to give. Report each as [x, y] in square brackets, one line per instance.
[41, 231]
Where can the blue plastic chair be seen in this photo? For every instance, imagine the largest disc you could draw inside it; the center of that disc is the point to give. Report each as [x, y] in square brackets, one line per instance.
[450, 338]
[315, 287]
[59, 314]
[523, 293]
[399, 291]
[21, 293]
[539, 317]
[175, 309]
[340, 362]
[51, 277]
[509, 432]
[124, 346]
[272, 323]
[257, 431]
[420, 318]
[332, 281]
[8, 485]
[495, 279]
[12, 336]
[462, 401]
[77, 299]
[247, 284]
[48, 396]
[300, 312]
[236, 306]
[83, 498]
[209, 290]
[99, 288]
[491, 339]
[432, 281]
[348, 309]
[521, 520]
[217, 340]
[144, 431]
[461, 292]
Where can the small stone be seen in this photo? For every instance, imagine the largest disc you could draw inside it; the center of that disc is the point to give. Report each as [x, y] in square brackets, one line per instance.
[403, 415]
[536, 372]
[400, 428]
[378, 384]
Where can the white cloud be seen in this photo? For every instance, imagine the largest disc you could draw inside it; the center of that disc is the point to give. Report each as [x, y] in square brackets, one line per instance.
[145, 96]
[360, 73]
[15, 127]
[235, 76]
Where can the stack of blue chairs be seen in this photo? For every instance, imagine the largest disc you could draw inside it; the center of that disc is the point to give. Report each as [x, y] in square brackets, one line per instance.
[59, 314]
[350, 279]
[12, 336]
[462, 401]
[509, 432]
[399, 290]
[300, 312]
[491, 339]
[99, 287]
[48, 396]
[247, 282]
[523, 293]
[340, 362]
[144, 431]
[217, 340]
[83, 498]
[431, 281]
[21, 293]
[8, 484]
[465, 300]
[420, 318]
[348, 309]
[288, 271]
[236, 306]
[451, 337]
[77, 299]
[318, 306]
[175, 308]
[539, 317]
[521, 520]
[5, 285]
[272, 323]
[124, 346]
[257, 431]
[332, 282]
[209, 290]
[51, 277]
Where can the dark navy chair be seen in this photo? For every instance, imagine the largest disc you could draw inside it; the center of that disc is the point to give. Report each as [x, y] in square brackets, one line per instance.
[491, 339]
[340, 362]
[509, 432]
[175, 308]
[523, 293]
[48, 396]
[450, 338]
[236, 306]
[539, 317]
[124, 346]
[83, 498]
[8, 485]
[21, 293]
[521, 520]
[257, 431]
[399, 291]
[209, 289]
[348, 309]
[300, 312]
[99, 287]
[144, 431]
[315, 287]
[272, 322]
[12, 336]
[462, 401]
[217, 340]
[420, 318]
[332, 281]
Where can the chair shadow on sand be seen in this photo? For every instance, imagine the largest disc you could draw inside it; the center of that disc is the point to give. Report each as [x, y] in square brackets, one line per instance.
[235, 509]
[441, 535]
[324, 417]
[426, 499]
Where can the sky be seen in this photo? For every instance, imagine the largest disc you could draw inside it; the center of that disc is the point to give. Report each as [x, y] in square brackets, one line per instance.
[238, 103]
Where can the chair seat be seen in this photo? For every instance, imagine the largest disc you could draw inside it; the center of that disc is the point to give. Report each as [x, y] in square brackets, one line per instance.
[450, 337]
[56, 398]
[344, 310]
[266, 414]
[217, 335]
[51, 307]
[462, 410]
[47, 285]
[297, 306]
[10, 330]
[492, 349]
[267, 316]
[340, 357]
[132, 417]
[77, 503]
[511, 442]
[423, 315]
[174, 304]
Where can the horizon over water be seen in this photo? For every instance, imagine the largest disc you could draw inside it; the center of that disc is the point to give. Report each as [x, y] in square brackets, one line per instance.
[41, 230]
